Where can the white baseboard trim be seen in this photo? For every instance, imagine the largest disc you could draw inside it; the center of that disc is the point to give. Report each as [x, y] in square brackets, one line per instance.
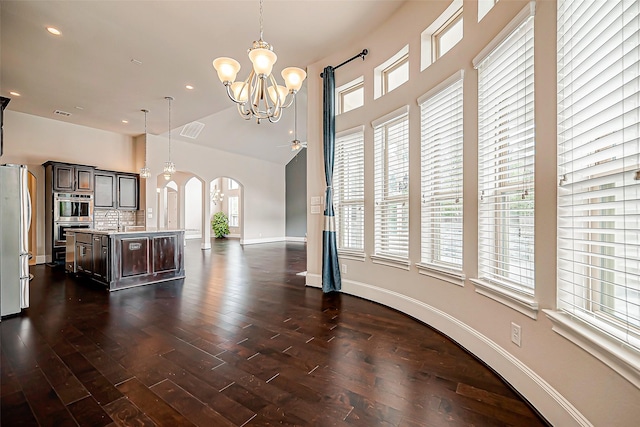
[296, 239]
[205, 245]
[546, 399]
[41, 259]
[192, 236]
[262, 240]
[234, 236]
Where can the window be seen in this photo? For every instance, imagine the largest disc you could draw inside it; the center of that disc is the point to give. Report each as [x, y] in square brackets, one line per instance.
[448, 35]
[391, 170]
[441, 35]
[506, 145]
[233, 211]
[599, 164]
[348, 193]
[351, 95]
[441, 142]
[392, 73]
[396, 74]
[233, 185]
[484, 6]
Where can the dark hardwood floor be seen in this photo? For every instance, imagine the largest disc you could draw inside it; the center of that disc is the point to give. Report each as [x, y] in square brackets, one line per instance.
[240, 342]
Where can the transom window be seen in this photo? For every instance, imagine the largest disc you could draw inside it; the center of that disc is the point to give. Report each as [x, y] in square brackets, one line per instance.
[351, 96]
[448, 35]
[396, 74]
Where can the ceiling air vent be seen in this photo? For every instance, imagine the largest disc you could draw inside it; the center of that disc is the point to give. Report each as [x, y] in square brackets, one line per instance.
[61, 113]
[192, 130]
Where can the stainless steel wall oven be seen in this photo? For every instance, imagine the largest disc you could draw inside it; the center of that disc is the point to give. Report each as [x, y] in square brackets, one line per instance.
[71, 207]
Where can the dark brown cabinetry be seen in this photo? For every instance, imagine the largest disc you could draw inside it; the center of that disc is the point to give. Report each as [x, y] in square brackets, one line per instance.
[70, 178]
[115, 190]
[84, 253]
[101, 257]
[105, 189]
[128, 191]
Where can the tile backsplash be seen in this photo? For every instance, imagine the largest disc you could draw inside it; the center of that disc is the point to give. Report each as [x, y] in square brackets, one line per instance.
[108, 218]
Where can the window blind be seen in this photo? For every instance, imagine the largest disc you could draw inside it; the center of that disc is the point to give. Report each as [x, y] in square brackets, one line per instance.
[391, 140]
[441, 172]
[348, 190]
[506, 140]
[599, 163]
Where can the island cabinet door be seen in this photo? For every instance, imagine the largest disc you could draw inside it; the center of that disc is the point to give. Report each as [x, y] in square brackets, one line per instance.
[101, 257]
[84, 254]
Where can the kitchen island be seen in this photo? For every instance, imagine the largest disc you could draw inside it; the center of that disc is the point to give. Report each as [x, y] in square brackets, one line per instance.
[124, 259]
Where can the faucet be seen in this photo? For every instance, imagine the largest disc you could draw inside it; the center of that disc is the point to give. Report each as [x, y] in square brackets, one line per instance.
[117, 212]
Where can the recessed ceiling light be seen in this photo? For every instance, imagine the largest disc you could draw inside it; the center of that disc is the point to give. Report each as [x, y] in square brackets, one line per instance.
[54, 31]
[189, 87]
[125, 121]
[290, 132]
[136, 61]
[79, 107]
[15, 93]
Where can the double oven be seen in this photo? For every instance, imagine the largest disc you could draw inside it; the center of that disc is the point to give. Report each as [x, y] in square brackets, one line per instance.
[71, 211]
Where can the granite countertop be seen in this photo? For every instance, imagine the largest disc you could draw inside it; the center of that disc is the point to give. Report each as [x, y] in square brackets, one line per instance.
[110, 232]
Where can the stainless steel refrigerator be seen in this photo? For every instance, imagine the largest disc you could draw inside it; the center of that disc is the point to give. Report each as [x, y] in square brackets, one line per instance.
[15, 217]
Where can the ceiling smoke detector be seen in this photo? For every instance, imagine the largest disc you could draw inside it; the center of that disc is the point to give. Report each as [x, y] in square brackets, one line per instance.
[192, 130]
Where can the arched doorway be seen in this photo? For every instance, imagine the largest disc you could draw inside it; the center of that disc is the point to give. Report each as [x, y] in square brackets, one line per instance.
[227, 196]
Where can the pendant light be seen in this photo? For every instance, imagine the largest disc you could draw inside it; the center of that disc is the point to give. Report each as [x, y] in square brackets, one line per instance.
[145, 172]
[260, 96]
[169, 166]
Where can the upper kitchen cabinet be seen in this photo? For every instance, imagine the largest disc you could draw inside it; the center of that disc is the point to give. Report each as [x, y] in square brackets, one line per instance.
[70, 178]
[104, 189]
[128, 191]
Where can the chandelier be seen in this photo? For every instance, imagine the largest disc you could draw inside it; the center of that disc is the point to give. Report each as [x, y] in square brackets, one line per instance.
[169, 166]
[260, 96]
[216, 196]
[145, 172]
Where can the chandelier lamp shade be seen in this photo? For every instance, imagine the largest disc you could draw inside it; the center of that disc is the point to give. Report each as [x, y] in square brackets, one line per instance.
[260, 96]
[169, 166]
[145, 172]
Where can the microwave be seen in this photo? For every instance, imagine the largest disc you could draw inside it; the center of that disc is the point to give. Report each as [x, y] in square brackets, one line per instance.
[72, 207]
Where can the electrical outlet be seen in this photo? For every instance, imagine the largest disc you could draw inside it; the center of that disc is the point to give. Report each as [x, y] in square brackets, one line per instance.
[516, 334]
[344, 268]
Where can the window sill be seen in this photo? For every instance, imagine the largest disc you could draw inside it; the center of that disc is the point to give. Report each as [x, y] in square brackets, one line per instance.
[356, 256]
[523, 303]
[619, 356]
[391, 261]
[454, 277]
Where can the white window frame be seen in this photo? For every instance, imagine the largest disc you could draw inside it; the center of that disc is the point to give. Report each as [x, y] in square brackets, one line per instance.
[391, 237]
[444, 29]
[598, 279]
[232, 184]
[441, 118]
[427, 56]
[234, 212]
[348, 194]
[346, 89]
[506, 162]
[484, 6]
[382, 71]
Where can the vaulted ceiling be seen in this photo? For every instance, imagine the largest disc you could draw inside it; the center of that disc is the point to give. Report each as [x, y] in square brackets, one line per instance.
[115, 58]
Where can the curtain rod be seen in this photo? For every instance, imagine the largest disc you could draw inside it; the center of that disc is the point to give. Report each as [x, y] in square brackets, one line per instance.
[360, 55]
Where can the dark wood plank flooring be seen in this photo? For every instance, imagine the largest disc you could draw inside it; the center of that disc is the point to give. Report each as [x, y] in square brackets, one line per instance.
[240, 342]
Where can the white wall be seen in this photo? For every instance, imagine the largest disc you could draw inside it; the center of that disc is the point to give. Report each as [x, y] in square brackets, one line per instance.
[566, 384]
[33, 140]
[263, 211]
[193, 208]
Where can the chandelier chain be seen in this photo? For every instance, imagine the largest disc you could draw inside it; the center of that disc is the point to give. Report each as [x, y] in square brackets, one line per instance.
[169, 99]
[261, 24]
